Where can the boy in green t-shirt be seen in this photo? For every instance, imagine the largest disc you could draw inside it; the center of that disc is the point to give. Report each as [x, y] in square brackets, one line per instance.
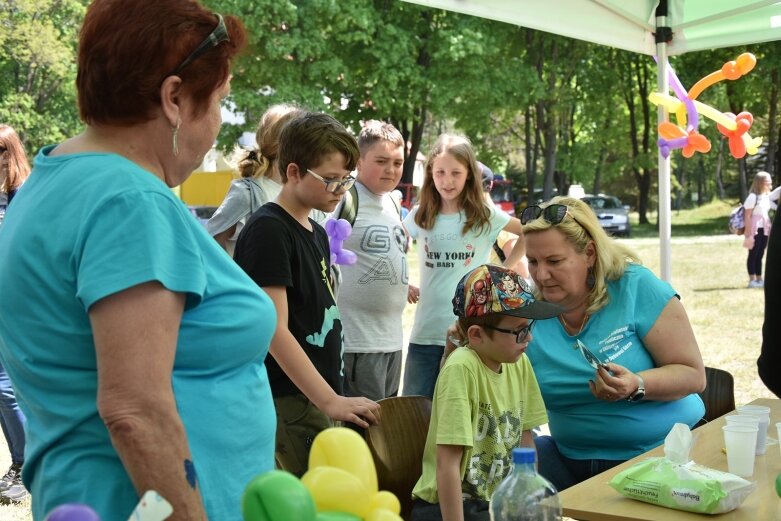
[486, 399]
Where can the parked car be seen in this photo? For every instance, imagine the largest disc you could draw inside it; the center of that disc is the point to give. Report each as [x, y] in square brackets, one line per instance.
[202, 213]
[503, 194]
[613, 216]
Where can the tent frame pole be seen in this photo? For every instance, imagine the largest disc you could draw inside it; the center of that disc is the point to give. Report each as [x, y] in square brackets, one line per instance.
[663, 85]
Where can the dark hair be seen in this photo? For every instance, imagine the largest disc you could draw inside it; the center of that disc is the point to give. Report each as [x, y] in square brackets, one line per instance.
[305, 140]
[18, 168]
[127, 49]
[374, 131]
[490, 320]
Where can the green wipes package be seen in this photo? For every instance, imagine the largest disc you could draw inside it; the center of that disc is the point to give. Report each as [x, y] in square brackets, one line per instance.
[686, 486]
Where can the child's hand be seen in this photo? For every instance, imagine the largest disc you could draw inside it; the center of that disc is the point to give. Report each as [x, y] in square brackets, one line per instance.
[413, 294]
[360, 411]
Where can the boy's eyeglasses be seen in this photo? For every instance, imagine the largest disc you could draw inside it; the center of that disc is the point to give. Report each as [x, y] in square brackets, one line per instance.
[333, 185]
[215, 38]
[520, 334]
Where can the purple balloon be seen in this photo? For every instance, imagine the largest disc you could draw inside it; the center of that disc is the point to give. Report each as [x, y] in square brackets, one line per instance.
[73, 512]
[683, 95]
[338, 231]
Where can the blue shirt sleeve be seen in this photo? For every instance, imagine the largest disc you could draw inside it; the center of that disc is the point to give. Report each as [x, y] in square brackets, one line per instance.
[151, 239]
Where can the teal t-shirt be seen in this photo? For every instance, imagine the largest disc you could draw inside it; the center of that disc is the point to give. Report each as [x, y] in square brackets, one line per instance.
[445, 254]
[583, 426]
[84, 227]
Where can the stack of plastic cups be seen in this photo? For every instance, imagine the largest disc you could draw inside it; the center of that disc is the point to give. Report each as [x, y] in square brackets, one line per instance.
[763, 413]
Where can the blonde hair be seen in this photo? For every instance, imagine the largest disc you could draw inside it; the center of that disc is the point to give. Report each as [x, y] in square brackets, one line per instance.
[18, 168]
[470, 200]
[582, 227]
[758, 185]
[260, 160]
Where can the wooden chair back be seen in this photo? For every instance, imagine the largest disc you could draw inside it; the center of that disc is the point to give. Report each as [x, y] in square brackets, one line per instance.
[719, 393]
[397, 445]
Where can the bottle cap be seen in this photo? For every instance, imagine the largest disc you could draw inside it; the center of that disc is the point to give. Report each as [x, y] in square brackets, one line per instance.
[523, 455]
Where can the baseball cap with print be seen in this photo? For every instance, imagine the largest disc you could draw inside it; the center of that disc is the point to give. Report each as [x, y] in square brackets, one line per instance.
[490, 289]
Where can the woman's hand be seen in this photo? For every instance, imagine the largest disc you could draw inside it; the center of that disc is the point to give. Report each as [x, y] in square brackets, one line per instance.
[616, 386]
[360, 411]
[413, 294]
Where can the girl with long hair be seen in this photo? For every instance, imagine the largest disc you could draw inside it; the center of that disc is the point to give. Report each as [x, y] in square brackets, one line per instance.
[14, 167]
[455, 230]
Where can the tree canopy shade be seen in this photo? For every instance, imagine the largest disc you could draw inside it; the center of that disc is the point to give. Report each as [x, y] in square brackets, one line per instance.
[653, 27]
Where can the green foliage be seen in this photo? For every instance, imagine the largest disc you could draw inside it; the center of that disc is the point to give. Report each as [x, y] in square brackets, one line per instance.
[37, 68]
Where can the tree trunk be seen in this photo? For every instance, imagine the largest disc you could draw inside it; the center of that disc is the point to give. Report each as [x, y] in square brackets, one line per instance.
[719, 162]
[772, 128]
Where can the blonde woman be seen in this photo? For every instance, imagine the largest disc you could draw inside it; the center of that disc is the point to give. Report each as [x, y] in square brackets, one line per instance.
[641, 368]
[260, 179]
[756, 206]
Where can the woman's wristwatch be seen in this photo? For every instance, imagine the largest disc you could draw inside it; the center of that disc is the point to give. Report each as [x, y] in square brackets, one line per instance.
[639, 393]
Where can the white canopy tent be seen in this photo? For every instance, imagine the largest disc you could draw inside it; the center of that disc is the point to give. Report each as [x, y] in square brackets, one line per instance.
[632, 25]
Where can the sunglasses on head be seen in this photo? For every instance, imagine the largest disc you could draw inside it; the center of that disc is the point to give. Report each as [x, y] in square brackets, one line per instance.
[552, 214]
[215, 38]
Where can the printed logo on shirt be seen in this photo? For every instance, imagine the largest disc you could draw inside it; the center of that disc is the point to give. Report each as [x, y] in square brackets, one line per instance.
[615, 344]
[496, 434]
[448, 259]
[378, 243]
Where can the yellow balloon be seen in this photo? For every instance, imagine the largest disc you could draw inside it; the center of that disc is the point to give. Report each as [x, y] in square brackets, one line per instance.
[381, 514]
[752, 144]
[336, 490]
[385, 500]
[344, 449]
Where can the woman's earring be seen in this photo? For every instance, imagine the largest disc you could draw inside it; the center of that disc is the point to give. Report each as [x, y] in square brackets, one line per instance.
[176, 136]
[591, 280]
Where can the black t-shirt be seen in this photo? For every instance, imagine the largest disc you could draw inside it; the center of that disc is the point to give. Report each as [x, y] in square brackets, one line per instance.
[275, 250]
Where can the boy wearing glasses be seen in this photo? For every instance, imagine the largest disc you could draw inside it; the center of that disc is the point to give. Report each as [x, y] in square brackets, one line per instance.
[486, 399]
[287, 254]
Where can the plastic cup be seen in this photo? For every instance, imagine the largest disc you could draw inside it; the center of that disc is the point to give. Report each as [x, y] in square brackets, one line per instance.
[741, 443]
[778, 429]
[764, 421]
[742, 418]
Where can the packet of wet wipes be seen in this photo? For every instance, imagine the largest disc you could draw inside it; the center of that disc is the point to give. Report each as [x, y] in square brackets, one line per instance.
[682, 485]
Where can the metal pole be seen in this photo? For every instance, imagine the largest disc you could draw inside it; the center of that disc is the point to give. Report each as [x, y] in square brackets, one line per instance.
[663, 35]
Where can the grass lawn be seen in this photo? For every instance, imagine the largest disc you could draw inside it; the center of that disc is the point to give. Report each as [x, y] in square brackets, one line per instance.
[708, 271]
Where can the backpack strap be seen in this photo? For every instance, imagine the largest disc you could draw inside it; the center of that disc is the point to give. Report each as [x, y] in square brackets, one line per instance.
[499, 252]
[349, 206]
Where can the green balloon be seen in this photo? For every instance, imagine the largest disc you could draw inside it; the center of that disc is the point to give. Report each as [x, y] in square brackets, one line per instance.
[278, 496]
[778, 485]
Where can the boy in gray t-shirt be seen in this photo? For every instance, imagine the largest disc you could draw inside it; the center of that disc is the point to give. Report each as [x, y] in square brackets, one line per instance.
[373, 292]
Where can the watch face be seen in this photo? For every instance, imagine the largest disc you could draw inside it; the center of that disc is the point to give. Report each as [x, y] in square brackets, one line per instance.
[637, 396]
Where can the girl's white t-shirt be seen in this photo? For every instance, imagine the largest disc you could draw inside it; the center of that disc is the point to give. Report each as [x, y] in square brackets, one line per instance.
[444, 256]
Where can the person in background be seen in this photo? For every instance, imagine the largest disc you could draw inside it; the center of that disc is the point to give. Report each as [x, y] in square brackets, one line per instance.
[505, 241]
[136, 346]
[374, 289]
[316, 157]
[486, 400]
[621, 366]
[14, 169]
[455, 230]
[260, 179]
[757, 220]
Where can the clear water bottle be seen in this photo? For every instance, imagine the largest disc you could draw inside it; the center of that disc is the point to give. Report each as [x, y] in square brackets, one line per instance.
[524, 495]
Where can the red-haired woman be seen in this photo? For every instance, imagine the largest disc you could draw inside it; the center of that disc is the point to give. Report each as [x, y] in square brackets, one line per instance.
[135, 345]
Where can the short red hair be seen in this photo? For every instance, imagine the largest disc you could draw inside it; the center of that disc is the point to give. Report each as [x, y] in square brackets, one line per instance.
[127, 49]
